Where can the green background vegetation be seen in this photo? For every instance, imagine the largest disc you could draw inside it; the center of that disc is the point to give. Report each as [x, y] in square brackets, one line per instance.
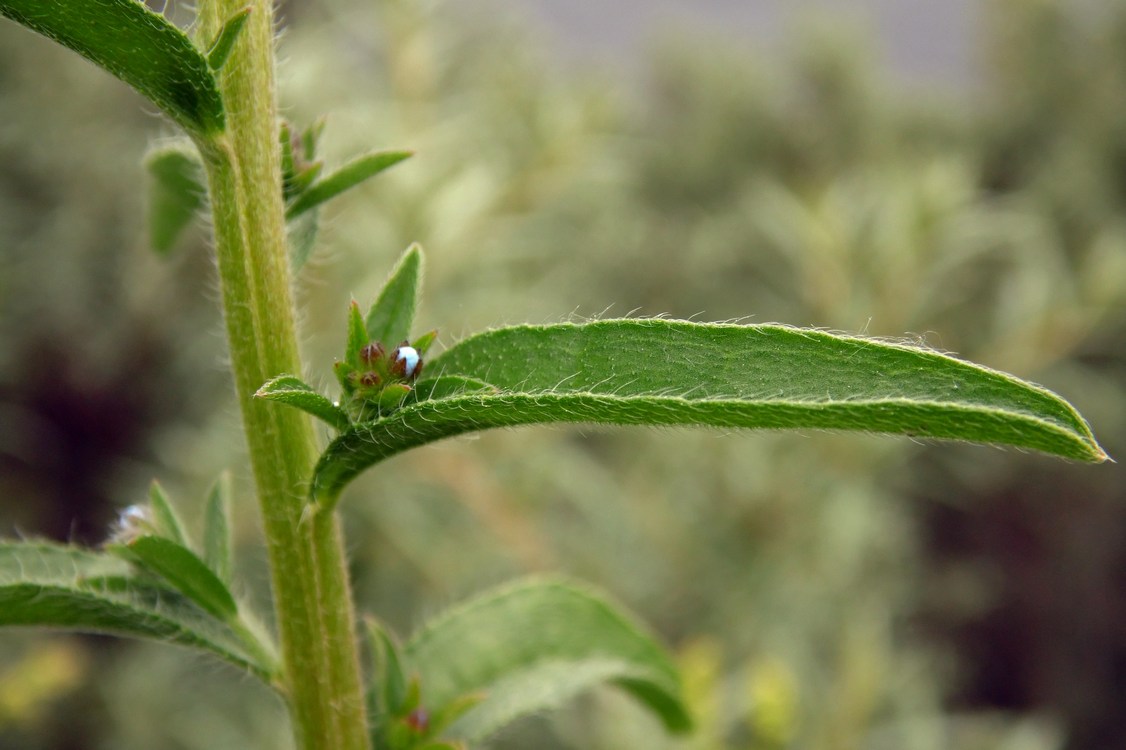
[820, 591]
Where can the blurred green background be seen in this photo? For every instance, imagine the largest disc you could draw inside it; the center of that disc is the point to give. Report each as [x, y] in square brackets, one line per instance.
[820, 591]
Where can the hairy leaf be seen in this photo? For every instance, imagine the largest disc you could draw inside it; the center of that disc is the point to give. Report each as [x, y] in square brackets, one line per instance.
[345, 178]
[447, 386]
[662, 372]
[165, 521]
[390, 317]
[217, 545]
[136, 45]
[290, 390]
[301, 234]
[176, 195]
[183, 571]
[50, 585]
[224, 42]
[532, 646]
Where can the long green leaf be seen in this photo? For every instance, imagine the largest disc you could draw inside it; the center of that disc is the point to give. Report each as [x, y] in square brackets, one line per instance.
[663, 372]
[50, 585]
[136, 45]
[390, 317]
[532, 646]
[351, 174]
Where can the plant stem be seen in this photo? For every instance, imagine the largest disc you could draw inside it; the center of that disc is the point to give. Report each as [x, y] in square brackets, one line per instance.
[312, 596]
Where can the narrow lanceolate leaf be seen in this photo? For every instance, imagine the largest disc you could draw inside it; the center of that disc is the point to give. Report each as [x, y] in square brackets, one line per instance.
[165, 520]
[348, 176]
[663, 372]
[224, 43]
[217, 544]
[176, 196]
[136, 45]
[301, 234]
[532, 646]
[388, 685]
[290, 390]
[50, 585]
[183, 571]
[390, 317]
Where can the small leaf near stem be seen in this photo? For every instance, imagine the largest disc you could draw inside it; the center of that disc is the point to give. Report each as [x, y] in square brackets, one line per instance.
[225, 41]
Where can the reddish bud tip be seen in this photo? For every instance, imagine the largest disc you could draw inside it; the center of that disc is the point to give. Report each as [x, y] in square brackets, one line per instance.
[371, 353]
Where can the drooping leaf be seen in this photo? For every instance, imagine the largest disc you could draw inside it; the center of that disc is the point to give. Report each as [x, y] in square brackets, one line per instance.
[136, 45]
[290, 390]
[183, 571]
[50, 585]
[176, 195]
[217, 544]
[348, 176]
[224, 42]
[390, 317]
[662, 372]
[532, 646]
[165, 521]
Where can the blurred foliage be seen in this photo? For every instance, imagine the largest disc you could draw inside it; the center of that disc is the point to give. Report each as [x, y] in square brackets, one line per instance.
[821, 591]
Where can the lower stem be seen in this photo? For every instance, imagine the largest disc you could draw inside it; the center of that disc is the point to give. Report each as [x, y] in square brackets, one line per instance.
[312, 595]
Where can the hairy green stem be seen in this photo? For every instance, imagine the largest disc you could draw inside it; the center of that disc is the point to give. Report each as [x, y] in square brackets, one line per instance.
[312, 597]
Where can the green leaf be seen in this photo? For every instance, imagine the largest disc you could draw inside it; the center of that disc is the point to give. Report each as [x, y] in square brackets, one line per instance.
[390, 318]
[177, 193]
[662, 372]
[136, 45]
[387, 689]
[182, 570]
[357, 336]
[217, 545]
[50, 585]
[301, 233]
[423, 342]
[290, 390]
[165, 522]
[447, 386]
[348, 176]
[534, 645]
[224, 42]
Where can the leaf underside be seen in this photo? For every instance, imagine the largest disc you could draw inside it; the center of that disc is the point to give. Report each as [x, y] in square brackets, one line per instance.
[533, 645]
[661, 372]
[136, 45]
[50, 585]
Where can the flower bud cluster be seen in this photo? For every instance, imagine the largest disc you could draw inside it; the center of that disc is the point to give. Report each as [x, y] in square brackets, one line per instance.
[376, 380]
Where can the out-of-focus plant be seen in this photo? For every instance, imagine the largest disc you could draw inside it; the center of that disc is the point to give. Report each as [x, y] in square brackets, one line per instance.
[487, 382]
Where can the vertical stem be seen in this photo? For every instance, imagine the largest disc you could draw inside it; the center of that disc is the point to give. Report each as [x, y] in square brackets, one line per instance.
[312, 596]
